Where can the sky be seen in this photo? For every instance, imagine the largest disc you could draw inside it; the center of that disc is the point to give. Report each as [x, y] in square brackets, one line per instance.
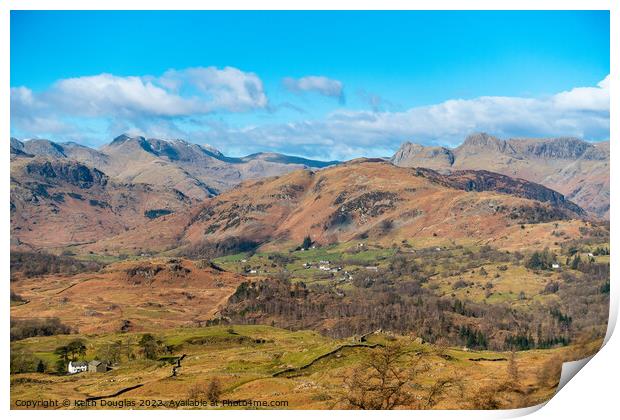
[325, 85]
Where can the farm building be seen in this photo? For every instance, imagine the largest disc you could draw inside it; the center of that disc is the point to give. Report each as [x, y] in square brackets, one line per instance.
[77, 367]
[97, 366]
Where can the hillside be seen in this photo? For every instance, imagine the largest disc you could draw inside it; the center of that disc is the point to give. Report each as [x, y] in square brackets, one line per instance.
[128, 296]
[362, 199]
[57, 202]
[197, 171]
[573, 167]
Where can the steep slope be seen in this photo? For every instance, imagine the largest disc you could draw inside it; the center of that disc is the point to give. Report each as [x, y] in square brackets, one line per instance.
[58, 202]
[17, 148]
[575, 168]
[361, 199]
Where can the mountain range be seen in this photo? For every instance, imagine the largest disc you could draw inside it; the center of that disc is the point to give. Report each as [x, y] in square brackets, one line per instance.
[197, 171]
[137, 194]
[573, 167]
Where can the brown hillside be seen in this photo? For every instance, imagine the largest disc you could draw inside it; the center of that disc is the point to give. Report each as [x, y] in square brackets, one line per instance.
[358, 200]
[58, 202]
[150, 294]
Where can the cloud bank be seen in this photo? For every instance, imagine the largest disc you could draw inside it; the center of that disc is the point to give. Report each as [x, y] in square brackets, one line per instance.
[581, 112]
[177, 93]
[181, 103]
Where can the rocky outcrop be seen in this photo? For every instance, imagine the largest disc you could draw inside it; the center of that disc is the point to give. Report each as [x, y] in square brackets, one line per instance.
[58, 201]
[71, 172]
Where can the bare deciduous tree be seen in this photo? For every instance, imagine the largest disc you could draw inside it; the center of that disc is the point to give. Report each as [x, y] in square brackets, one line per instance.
[388, 378]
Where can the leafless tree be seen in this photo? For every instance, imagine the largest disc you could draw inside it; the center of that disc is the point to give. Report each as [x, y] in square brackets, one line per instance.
[388, 378]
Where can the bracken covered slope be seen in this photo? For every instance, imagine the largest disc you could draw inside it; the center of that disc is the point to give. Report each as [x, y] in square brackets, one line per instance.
[357, 200]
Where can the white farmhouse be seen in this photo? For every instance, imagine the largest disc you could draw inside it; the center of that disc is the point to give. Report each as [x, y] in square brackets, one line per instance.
[77, 367]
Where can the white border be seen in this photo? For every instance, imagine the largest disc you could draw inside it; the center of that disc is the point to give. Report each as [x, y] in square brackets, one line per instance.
[593, 395]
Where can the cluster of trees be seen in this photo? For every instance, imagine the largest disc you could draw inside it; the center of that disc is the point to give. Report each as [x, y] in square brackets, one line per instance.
[73, 351]
[35, 327]
[149, 346]
[473, 338]
[23, 362]
[33, 264]
[305, 244]
[601, 250]
[209, 250]
[541, 260]
[403, 307]
[211, 391]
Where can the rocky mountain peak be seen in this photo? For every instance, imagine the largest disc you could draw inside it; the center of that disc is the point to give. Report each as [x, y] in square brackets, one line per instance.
[483, 142]
[122, 139]
[43, 147]
[412, 154]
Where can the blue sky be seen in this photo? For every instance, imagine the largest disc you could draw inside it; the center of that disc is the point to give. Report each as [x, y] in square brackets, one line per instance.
[318, 84]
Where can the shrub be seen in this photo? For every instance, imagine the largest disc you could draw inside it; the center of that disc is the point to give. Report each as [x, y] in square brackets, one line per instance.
[214, 391]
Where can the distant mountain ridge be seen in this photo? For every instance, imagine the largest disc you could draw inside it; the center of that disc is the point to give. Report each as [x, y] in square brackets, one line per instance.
[197, 171]
[571, 166]
[92, 195]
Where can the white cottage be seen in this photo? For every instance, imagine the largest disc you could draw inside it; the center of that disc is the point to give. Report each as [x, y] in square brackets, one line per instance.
[77, 367]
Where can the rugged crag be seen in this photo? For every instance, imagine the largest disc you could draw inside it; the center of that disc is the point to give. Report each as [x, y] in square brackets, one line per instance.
[573, 167]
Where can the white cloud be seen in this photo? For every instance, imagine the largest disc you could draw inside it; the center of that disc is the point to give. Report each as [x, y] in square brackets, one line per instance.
[320, 84]
[198, 90]
[585, 98]
[228, 88]
[348, 133]
[133, 101]
[106, 94]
